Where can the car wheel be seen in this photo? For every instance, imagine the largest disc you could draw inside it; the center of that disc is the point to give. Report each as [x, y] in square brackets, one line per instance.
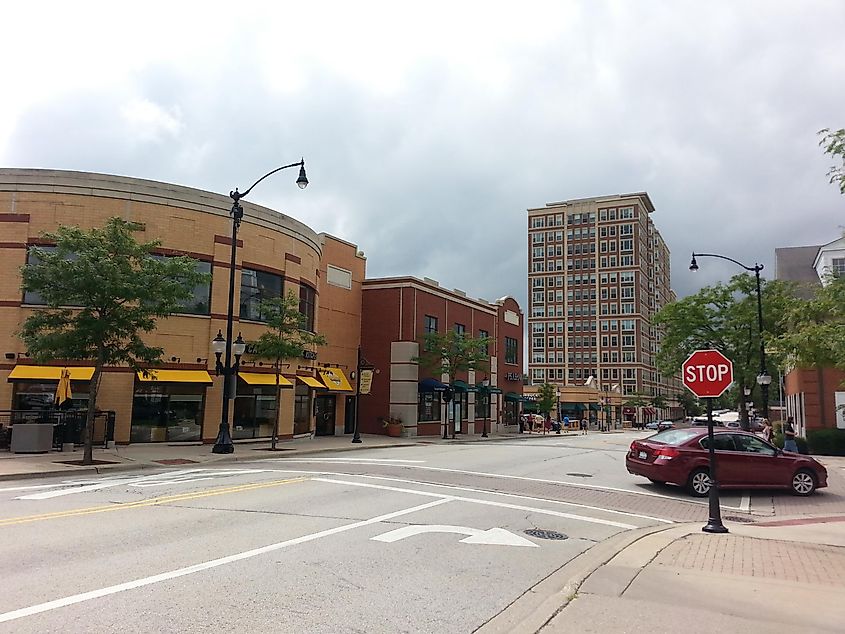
[803, 482]
[699, 483]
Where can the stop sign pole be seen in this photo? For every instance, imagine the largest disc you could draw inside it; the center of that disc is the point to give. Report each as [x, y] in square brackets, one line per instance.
[707, 374]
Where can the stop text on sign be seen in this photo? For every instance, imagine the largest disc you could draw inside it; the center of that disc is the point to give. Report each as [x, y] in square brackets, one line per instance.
[709, 373]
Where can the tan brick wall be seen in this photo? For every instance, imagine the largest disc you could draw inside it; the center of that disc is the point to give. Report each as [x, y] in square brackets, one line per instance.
[184, 220]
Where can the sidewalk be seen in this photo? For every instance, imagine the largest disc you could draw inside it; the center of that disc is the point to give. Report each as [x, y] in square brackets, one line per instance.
[148, 455]
[777, 578]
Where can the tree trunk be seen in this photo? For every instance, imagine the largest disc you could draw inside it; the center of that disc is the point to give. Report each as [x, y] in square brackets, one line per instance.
[93, 388]
[743, 410]
[278, 409]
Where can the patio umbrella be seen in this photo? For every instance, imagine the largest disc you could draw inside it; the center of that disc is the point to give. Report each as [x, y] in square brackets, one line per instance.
[63, 391]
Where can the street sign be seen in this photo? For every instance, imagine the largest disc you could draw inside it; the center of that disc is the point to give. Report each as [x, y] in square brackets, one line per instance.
[366, 382]
[707, 373]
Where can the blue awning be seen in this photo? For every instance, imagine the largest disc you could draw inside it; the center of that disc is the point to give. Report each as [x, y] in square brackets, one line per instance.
[431, 385]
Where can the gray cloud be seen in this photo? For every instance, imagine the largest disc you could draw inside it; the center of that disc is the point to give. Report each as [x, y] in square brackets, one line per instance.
[712, 108]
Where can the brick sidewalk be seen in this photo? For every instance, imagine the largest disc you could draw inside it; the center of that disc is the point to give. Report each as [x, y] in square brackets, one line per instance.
[752, 557]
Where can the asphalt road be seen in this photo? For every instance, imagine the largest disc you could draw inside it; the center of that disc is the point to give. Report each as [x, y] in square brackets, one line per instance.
[413, 539]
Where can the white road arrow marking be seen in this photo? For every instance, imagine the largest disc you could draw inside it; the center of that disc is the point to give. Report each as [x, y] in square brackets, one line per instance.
[494, 536]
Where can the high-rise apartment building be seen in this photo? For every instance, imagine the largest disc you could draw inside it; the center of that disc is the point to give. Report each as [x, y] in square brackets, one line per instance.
[598, 270]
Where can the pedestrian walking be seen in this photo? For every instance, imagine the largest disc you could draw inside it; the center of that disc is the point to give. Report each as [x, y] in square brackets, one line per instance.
[789, 443]
[583, 426]
[767, 430]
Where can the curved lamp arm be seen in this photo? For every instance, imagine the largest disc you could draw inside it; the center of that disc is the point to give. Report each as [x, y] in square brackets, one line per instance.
[302, 181]
[694, 265]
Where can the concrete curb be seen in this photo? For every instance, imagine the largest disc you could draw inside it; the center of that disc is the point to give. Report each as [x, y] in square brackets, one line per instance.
[539, 605]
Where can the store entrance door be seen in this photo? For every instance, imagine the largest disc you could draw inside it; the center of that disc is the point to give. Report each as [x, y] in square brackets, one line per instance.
[324, 412]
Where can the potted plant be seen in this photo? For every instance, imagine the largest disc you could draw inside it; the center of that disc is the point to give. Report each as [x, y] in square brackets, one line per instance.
[393, 424]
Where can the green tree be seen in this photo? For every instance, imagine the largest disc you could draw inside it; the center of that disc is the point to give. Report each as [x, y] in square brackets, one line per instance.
[724, 317]
[690, 403]
[833, 143]
[285, 338]
[452, 352]
[117, 291]
[546, 398]
[658, 401]
[814, 332]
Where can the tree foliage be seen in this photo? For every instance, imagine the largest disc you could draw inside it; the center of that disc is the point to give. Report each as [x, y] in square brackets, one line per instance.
[452, 352]
[285, 338]
[116, 290]
[690, 403]
[724, 317]
[814, 330]
[833, 143]
[546, 398]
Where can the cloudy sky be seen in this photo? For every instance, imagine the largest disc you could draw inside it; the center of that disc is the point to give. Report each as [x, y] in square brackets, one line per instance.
[429, 128]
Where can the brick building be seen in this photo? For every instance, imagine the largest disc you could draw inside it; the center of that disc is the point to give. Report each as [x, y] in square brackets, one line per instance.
[814, 396]
[598, 270]
[398, 311]
[277, 254]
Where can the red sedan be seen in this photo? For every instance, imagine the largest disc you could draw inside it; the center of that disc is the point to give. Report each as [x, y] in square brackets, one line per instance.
[743, 461]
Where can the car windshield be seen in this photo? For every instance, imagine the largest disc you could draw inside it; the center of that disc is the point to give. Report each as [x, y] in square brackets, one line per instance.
[673, 436]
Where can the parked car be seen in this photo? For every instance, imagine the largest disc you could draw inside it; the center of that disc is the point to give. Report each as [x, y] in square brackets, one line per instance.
[702, 422]
[660, 425]
[744, 461]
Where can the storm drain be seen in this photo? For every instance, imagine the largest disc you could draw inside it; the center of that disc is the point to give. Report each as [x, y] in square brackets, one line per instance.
[580, 475]
[540, 533]
[742, 519]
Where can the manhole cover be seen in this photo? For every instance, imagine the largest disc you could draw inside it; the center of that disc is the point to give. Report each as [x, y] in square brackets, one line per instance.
[742, 519]
[580, 475]
[540, 533]
[172, 461]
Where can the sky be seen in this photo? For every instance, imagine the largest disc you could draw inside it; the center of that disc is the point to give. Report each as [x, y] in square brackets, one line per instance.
[429, 129]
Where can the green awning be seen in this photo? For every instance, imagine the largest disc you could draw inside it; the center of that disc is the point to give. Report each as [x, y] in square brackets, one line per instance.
[487, 389]
[513, 396]
[462, 386]
[594, 407]
[531, 406]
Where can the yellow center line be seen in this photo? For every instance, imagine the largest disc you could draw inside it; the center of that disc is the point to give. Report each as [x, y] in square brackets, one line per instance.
[151, 502]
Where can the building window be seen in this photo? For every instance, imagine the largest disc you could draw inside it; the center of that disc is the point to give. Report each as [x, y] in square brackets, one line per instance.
[428, 407]
[483, 334]
[256, 287]
[837, 266]
[307, 302]
[460, 329]
[430, 324]
[511, 351]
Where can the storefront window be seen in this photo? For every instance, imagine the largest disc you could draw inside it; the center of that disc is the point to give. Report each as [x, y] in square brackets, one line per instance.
[482, 405]
[254, 411]
[34, 395]
[428, 407]
[302, 410]
[463, 397]
[167, 412]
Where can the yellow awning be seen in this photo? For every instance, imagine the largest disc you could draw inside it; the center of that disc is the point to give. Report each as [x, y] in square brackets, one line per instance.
[335, 380]
[48, 373]
[175, 376]
[310, 381]
[256, 378]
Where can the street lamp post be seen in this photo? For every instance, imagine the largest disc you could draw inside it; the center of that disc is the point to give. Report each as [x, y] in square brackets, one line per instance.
[763, 379]
[362, 366]
[223, 443]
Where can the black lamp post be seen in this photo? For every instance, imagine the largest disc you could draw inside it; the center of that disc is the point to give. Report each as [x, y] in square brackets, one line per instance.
[222, 347]
[362, 366]
[763, 379]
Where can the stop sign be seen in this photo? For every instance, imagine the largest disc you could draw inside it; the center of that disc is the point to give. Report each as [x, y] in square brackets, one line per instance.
[707, 373]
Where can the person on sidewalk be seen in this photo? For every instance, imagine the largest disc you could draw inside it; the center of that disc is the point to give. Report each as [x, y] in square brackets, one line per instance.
[789, 443]
[583, 426]
[767, 430]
